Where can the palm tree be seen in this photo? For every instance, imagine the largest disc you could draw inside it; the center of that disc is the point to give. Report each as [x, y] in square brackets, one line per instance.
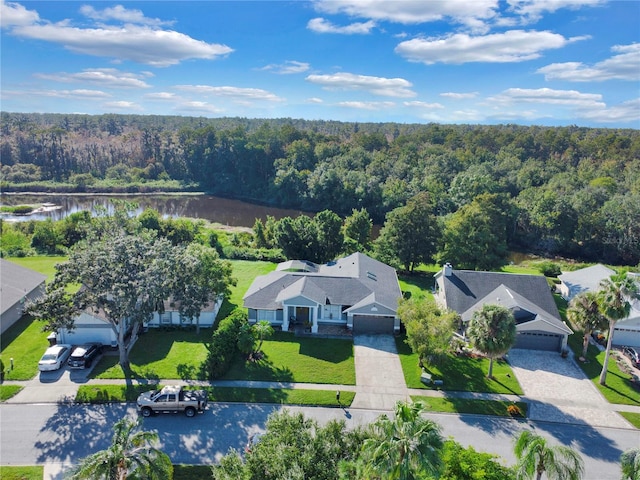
[614, 298]
[630, 464]
[492, 331]
[584, 314]
[130, 454]
[406, 447]
[536, 456]
[263, 329]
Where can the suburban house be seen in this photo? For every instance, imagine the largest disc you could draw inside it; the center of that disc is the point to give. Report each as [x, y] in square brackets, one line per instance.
[626, 331]
[538, 322]
[356, 292]
[93, 326]
[583, 280]
[17, 286]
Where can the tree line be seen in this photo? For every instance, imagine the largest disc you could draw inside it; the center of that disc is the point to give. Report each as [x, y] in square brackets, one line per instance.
[569, 191]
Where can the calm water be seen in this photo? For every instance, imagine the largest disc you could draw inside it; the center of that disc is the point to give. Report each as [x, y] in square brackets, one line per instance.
[207, 207]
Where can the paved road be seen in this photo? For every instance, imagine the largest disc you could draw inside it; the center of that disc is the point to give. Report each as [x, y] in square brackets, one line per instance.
[46, 433]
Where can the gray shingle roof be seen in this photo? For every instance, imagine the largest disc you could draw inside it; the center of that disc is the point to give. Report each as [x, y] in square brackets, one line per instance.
[466, 289]
[344, 282]
[16, 282]
[586, 279]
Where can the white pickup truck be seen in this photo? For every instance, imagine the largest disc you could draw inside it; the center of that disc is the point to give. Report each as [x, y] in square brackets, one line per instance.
[172, 398]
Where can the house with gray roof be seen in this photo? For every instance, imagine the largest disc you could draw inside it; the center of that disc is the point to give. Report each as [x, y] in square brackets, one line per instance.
[583, 280]
[357, 292]
[626, 331]
[538, 322]
[17, 285]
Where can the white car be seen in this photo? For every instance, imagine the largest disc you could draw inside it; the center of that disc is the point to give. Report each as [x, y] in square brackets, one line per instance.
[54, 357]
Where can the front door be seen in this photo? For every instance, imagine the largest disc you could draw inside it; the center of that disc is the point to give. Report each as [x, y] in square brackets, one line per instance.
[302, 314]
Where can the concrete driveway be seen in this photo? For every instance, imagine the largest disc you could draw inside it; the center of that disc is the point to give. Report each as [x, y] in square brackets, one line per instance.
[559, 391]
[379, 378]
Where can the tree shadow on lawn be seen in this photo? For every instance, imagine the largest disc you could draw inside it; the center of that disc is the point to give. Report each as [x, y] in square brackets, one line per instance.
[261, 370]
[470, 374]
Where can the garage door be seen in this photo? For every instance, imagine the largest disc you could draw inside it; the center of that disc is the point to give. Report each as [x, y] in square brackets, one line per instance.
[538, 341]
[626, 337]
[366, 324]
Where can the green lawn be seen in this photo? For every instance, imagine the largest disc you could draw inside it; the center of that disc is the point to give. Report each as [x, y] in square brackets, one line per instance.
[417, 285]
[633, 418]
[21, 473]
[464, 374]
[41, 263]
[25, 342]
[244, 271]
[8, 391]
[619, 387]
[299, 359]
[466, 405]
[123, 393]
[161, 354]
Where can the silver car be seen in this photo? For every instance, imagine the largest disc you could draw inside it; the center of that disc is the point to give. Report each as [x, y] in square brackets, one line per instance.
[54, 357]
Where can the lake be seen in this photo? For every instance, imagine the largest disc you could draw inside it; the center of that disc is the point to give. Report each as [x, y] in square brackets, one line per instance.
[208, 207]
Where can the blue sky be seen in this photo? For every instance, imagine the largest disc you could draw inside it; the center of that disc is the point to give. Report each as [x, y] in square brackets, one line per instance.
[531, 62]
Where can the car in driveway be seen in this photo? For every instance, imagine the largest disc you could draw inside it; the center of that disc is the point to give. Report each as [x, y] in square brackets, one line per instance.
[633, 355]
[84, 355]
[54, 357]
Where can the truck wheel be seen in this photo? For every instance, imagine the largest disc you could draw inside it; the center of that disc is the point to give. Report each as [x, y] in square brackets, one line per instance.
[190, 411]
[147, 412]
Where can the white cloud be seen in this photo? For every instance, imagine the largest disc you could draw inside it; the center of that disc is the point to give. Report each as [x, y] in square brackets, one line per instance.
[388, 87]
[144, 43]
[235, 93]
[367, 105]
[470, 13]
[423, 105]
[459, 96]
[161, 96]
[315, 100]
[625, 112]
[570, 98]
[287, 68]
[624, 66]
[121, 14]
[320, 25]
[534, 9]
[14, 14]
[510, 46]
[198, 107]
[122, 105]
[108, 77]
[82, 94]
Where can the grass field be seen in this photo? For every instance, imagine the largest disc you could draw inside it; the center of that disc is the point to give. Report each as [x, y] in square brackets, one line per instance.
[464, 374]
[21, 473]
[25, 342]
[465, 405]
[633, 418]
[41, 263]
[299, 359]
[8, 391]
[244, 272]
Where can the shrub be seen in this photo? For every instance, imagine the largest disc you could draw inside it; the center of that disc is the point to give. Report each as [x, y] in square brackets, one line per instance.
[224, 345]
[549, 269]
[22, 209]
[274, 255]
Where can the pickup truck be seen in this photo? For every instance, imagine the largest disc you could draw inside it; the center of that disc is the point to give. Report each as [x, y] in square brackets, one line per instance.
[172, 398]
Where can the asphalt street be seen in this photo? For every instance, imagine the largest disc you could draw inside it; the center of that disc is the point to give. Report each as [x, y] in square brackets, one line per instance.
[50, 433]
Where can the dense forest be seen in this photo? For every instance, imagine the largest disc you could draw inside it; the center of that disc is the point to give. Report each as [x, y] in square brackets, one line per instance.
[567, 191]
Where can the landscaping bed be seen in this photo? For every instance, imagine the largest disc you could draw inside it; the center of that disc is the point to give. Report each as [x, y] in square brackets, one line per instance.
[476, 406]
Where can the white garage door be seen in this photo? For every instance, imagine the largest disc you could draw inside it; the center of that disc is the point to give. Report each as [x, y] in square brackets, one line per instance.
[539, 341]
[626, 337]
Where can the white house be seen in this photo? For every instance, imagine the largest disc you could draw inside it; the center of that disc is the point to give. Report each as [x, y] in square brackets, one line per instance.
[357, 292]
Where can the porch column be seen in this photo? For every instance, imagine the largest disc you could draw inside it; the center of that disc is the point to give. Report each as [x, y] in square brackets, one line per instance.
[314, 326]
[285, 320]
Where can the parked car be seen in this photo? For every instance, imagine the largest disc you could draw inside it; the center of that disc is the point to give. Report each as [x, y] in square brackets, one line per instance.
[54, 357]
[172, 398]
[632, 354]
[84, 355]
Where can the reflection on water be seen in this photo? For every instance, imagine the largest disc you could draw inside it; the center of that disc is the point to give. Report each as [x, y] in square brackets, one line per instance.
[207, 207]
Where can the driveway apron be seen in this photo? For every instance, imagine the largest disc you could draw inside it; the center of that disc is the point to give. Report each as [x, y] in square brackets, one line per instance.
[558, 390]
[379, 378]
